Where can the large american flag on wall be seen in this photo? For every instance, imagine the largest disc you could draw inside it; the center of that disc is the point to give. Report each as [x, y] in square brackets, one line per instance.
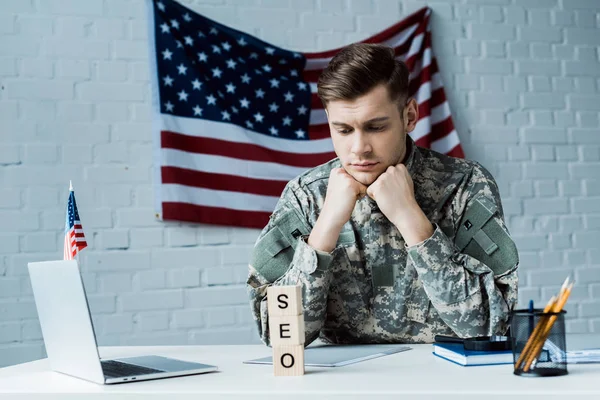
[236, 118]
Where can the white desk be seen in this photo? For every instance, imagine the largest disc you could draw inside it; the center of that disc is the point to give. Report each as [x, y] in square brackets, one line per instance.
[412, 374]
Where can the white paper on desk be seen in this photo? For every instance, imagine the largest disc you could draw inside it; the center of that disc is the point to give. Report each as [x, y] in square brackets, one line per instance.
[587, 356]
[340, 355]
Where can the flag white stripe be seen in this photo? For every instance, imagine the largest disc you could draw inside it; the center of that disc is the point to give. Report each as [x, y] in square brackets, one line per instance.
[440, 113]
[401, 38]
[421, 64]
[395, 41]
[424, 93]
[229, 166]
[217, 198]
[318, 116]
[234, 133]
[447, 143]
[67, 253]
[423, 127]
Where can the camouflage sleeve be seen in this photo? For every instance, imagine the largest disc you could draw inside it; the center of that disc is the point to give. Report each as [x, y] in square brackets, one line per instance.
[471, 280]
[281, 257]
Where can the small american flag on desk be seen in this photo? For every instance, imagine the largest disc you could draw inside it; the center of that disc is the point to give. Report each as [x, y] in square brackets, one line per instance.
[236, 118]
[74, 237]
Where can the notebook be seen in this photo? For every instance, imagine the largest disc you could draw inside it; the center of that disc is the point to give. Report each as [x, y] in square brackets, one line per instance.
[456, 353]
[340, 355]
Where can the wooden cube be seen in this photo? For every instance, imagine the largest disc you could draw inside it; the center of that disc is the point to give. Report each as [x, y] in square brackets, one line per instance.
[284, 300]
[288, 360]
[286, 330]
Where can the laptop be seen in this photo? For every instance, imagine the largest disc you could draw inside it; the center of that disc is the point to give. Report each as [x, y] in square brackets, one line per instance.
[69, 335]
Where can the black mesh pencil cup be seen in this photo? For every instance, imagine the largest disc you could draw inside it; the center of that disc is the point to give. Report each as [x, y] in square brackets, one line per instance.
[539, 343]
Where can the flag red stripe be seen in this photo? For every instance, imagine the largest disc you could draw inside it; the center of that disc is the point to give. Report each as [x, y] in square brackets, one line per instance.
[214, 215]
[386, 34]
[320, 131]
[441, 129]
[437, 96]
[315, 102]
[438, 131]
[424, 77]
[312, 75]
[457, 152]
[242, 151]
[232, 183]
[72, 234]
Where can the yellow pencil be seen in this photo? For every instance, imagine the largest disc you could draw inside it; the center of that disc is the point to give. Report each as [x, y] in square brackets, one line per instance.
[533, 338]
[534, 334]
[547, 327]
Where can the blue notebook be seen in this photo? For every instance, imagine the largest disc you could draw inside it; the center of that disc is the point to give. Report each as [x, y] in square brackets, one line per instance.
[456, 353]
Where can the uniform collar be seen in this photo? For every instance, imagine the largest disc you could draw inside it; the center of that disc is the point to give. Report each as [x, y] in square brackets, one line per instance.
[412, 158]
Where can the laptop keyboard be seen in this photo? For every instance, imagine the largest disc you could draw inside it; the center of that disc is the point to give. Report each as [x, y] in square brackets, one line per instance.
[116, 369]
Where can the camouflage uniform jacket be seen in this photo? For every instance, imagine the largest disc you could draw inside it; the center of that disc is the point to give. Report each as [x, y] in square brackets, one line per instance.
[372, 288]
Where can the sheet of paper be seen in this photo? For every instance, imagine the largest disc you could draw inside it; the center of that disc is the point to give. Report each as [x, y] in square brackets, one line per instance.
[340, 355]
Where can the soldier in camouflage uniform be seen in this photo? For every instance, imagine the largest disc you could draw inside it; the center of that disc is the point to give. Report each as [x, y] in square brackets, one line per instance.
[391, 243]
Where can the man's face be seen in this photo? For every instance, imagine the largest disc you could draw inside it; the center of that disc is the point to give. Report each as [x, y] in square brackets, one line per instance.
[369, 134]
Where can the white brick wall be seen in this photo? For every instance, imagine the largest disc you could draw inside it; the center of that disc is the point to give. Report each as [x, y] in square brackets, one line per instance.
[522, 78]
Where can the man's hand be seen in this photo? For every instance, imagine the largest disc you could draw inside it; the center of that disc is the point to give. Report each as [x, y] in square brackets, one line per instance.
[394, 193]
[342, 192]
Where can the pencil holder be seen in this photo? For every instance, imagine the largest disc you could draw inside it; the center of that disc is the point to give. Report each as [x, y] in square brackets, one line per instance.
[539, 343]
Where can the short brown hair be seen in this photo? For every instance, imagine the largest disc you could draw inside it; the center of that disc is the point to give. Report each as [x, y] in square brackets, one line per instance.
[359, 68]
